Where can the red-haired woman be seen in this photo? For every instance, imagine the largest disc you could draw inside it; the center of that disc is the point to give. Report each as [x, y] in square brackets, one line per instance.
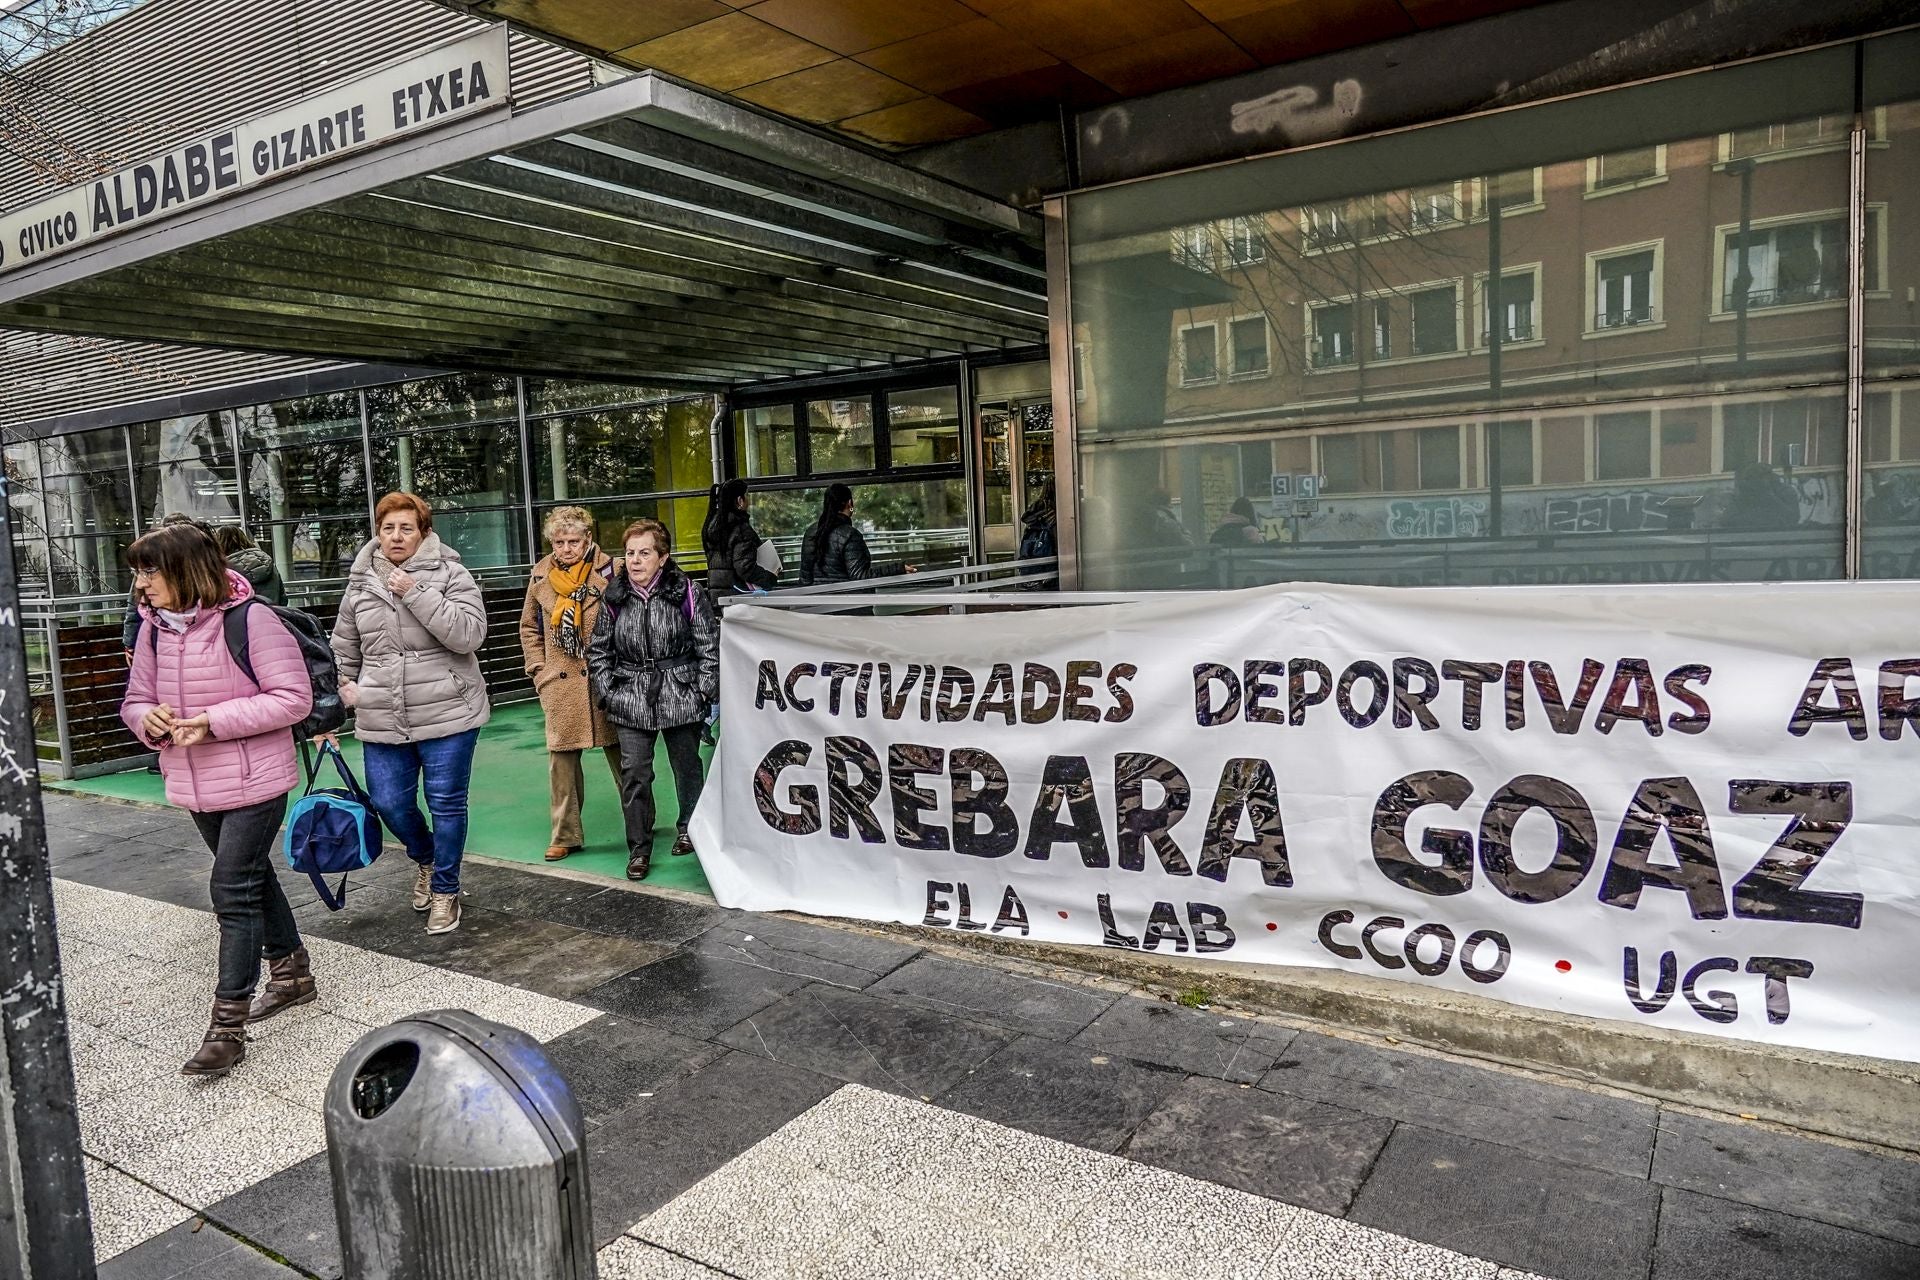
[226, 749]
[410, 625]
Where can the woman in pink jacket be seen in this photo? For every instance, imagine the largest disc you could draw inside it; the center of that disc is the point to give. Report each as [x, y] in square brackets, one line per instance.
[226, 749]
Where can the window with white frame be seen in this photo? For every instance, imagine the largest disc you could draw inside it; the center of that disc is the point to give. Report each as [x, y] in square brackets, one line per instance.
[1199, 354]
[1333, 335]
[1382, 329]
[1437, 454]
[1624, 287]
[1436, 320]
[1245, 241]
[1374, 218]
[1623, 446]
[1324, 226]
[1518, 307]
[1792, 261]
[1804, 432]
[1193, 247]
[1436, 206]
[1341, 468]
[1817, 132]
[1516, 192]
[1619, 170]
[1516, 451]
[1249, 337]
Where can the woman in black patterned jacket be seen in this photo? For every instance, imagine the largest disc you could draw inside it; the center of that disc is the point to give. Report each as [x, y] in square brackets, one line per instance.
[654, 666]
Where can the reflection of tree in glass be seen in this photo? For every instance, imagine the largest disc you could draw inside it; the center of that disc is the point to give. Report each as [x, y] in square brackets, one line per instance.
[476, 466]
[303, 457]
[607, 451]
[442, 401]
[546, 395]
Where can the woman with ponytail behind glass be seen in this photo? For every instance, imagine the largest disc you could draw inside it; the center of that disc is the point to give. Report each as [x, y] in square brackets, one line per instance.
[835, 550]
[732, 544]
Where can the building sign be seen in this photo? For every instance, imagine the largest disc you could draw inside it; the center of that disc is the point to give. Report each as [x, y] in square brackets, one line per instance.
[443, 84]
[1685, 807]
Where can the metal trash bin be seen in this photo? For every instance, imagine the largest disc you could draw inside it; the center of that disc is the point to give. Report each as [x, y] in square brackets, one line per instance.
[458, 1153]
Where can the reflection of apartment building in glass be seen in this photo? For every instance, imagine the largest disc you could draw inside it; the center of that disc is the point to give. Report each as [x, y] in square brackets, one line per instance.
[1655, 388]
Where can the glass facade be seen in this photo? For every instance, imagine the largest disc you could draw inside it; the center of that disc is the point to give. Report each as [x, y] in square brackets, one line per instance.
[456, 441]
[1602, 339]
[303, 475]
[493, 454]
[898, 446]
[1890, 485]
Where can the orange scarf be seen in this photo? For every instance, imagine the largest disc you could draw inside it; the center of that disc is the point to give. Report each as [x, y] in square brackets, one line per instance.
[571, 591]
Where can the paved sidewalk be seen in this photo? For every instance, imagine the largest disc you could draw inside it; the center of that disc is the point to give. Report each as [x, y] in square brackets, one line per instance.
[775, 1098]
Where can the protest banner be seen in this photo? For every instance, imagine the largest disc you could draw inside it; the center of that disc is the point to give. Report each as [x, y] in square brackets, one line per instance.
[1687, 807]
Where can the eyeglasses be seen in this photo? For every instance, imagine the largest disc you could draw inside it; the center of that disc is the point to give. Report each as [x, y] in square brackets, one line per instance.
[140, 572]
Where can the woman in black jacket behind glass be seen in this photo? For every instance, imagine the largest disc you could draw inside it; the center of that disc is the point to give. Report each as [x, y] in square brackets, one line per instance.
[731, 543]
[835, 550]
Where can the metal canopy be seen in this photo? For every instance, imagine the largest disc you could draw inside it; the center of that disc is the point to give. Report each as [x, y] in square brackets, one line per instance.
[641, 230]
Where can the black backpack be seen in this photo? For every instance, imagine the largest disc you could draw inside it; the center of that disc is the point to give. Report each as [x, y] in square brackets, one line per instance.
[323, 673]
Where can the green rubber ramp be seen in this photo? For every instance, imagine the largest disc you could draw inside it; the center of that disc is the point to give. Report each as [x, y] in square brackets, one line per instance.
[507, 803]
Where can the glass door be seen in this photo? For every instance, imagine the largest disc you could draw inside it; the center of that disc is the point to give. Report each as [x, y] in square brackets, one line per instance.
[999, 513]
[1016, 472]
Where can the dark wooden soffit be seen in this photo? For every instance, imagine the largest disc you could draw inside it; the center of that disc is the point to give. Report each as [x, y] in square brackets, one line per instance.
[905, 73]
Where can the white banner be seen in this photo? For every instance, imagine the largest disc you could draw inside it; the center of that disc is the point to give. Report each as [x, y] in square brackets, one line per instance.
[426, 90]
[1692, 808]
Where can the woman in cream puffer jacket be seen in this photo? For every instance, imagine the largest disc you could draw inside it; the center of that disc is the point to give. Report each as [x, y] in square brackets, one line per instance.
[410, 625]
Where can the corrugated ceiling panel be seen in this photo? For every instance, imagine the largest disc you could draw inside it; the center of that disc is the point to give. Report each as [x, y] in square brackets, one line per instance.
[46, 374]
[164, 73]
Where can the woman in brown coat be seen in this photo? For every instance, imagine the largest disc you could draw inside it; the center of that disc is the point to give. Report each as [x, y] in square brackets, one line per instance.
[563, 603]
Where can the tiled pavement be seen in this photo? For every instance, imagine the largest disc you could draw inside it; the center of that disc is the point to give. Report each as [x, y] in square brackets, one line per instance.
[1003, 1122]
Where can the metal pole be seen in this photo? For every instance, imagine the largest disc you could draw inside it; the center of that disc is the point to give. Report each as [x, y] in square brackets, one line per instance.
[719, 427]
[1743, 275]
[526, 470]
[230, 420]
[1066, 464]
[1496, 334]
[62, 723]
[133, 485]
[44, 1229]
[972, 476]
[366, 460]
[46, 534]
[1851, 529]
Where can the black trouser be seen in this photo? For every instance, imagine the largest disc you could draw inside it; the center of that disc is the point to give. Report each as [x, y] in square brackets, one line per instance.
[636, 778]
[247, 898]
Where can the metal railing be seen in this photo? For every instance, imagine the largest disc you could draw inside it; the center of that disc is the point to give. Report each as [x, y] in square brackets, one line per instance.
[77, 673]
[77, 669]
[950, 589]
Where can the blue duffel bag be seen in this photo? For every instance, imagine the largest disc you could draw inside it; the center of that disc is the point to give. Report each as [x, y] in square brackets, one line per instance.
[332, 830]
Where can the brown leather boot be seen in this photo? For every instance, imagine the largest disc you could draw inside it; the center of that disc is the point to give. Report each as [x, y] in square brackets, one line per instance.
[225, 1045]
[289, 982]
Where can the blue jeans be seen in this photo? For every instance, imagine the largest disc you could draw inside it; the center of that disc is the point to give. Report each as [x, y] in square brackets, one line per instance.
[395, 769]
